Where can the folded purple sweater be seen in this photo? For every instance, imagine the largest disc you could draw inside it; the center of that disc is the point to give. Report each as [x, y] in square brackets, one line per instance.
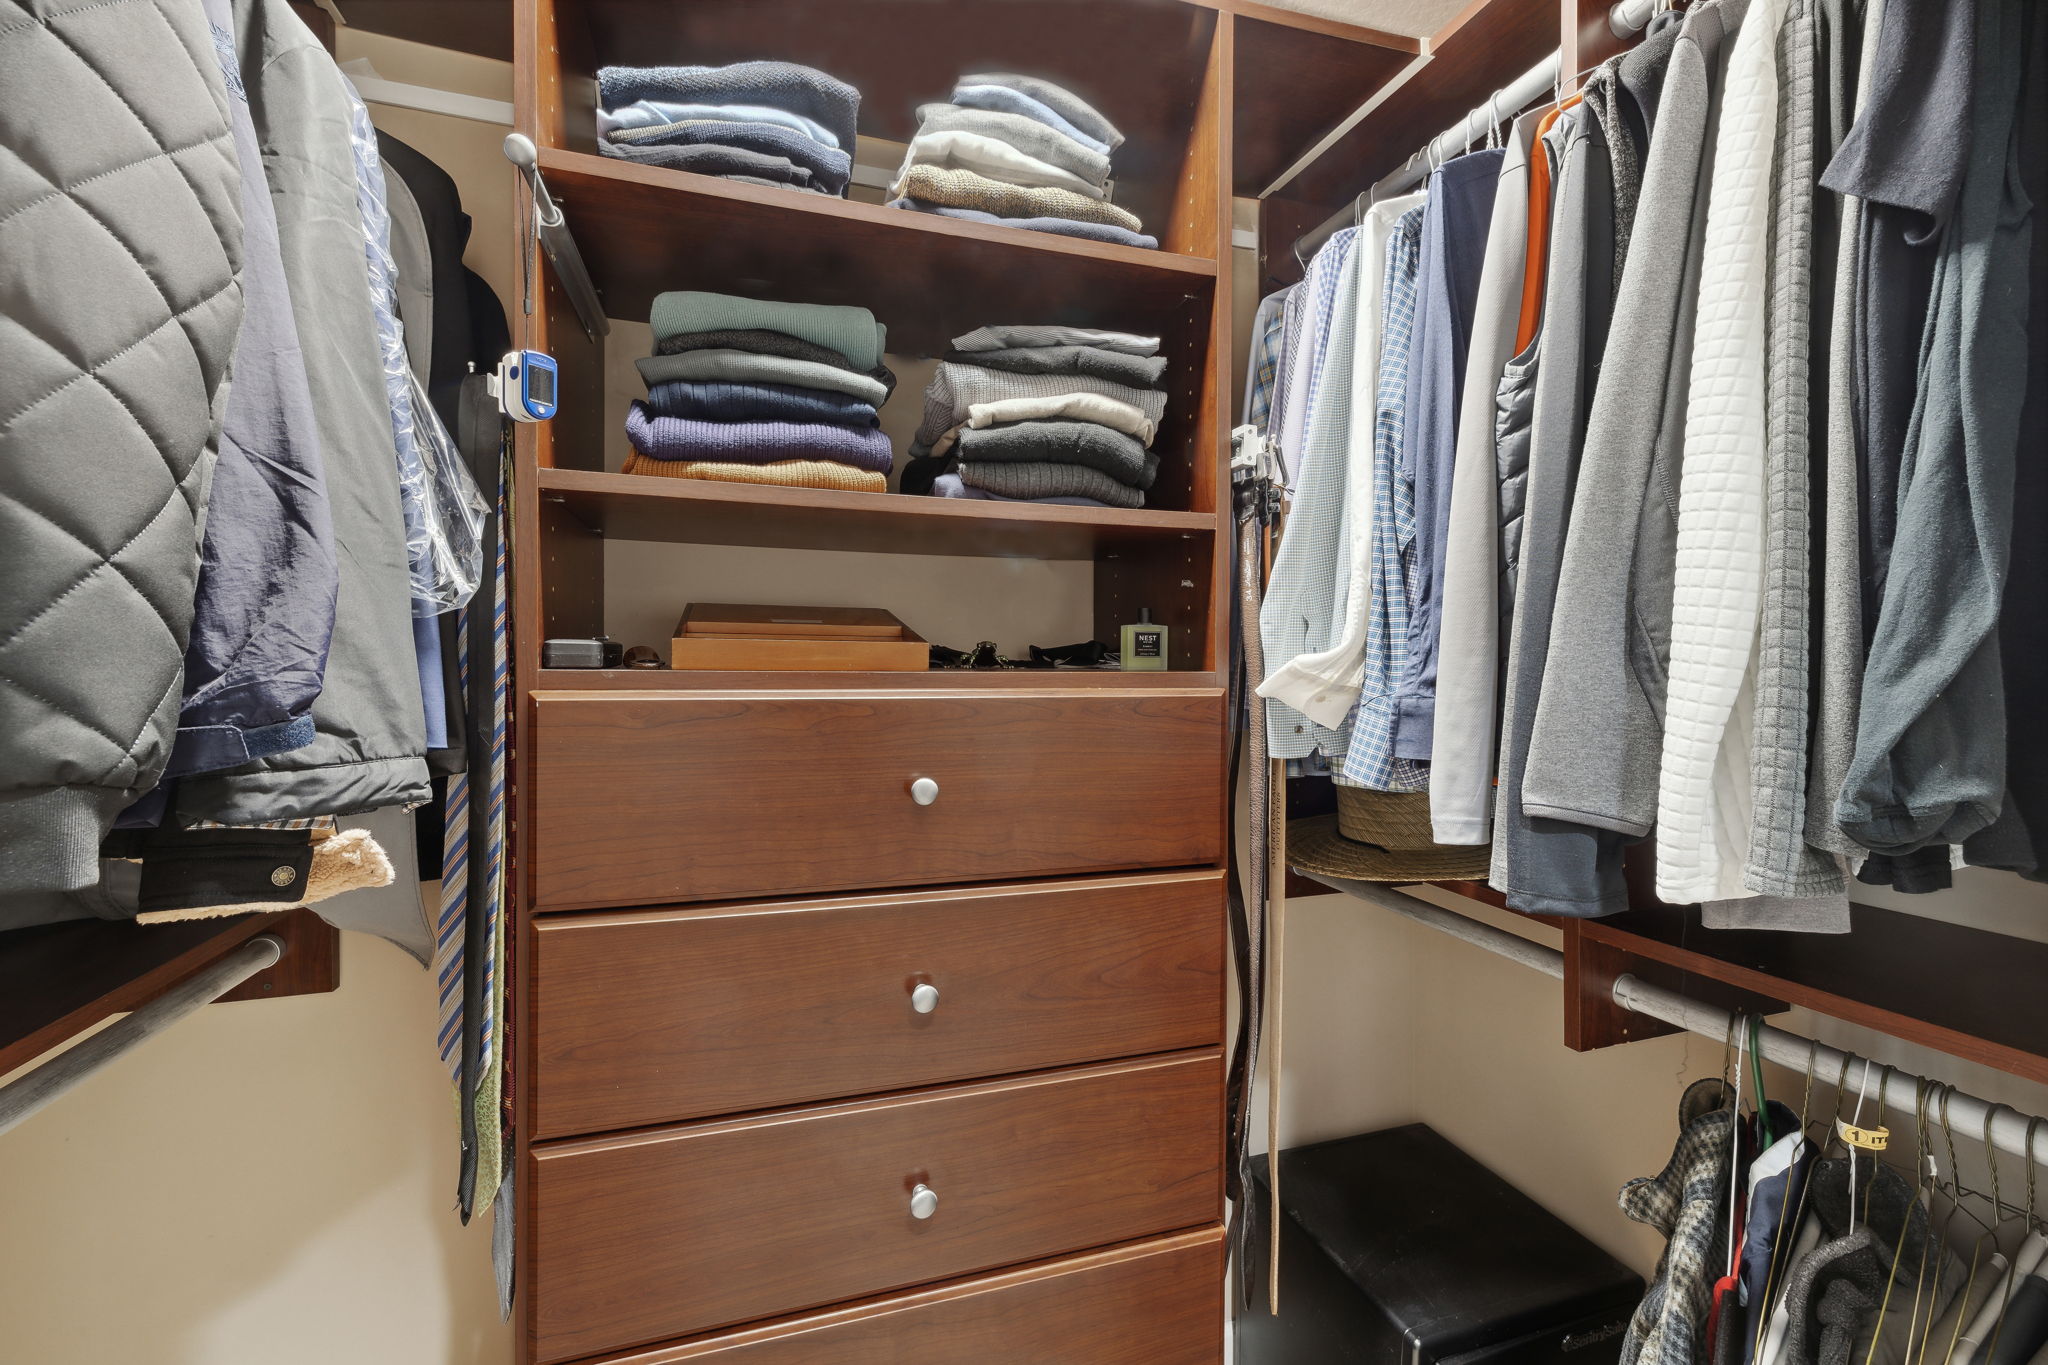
[683, 438]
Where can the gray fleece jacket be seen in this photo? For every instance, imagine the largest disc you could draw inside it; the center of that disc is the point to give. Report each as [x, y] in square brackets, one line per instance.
[1598, 734]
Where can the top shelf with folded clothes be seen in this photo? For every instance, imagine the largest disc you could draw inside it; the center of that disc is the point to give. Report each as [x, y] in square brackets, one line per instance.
[780, 91]
[645, 230]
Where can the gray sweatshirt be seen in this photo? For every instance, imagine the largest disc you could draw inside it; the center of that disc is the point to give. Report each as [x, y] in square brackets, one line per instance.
[1598, 734]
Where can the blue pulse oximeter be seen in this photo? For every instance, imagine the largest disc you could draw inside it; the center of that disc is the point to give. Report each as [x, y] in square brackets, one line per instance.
[526, 385]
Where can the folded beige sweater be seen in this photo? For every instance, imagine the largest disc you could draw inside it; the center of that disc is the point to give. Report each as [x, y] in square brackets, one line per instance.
[784, 473]
[965, 190]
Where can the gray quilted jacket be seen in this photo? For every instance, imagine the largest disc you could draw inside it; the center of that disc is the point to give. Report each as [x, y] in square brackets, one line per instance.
[120, 254]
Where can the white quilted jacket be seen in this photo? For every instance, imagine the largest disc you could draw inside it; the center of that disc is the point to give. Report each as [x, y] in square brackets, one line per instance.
[1703, 798]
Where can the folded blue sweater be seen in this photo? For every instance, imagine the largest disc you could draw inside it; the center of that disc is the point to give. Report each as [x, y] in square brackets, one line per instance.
[723, 401]
[781, 85]
[683, 438]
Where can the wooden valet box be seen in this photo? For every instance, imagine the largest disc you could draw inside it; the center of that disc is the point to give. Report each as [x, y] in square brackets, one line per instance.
[740, 636]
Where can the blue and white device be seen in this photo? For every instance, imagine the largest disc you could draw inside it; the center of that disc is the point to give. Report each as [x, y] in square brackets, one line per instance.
[526, 385]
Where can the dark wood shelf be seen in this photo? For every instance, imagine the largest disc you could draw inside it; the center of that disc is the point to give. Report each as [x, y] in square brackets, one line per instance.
[647, 229]
[1967, 992]
[1296, 79]
[1489, 44]
[692, 680]
[59, 980]
[701, 512]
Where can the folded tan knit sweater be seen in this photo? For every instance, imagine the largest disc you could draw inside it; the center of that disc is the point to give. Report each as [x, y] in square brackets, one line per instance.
[785, 473]
[960, 189]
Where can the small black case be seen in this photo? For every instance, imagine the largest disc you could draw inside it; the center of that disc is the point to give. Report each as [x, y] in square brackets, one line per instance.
[600, 652]
[1397, 1247]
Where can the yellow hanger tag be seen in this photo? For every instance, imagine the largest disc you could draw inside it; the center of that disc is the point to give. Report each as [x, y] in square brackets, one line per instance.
[1869, 1139]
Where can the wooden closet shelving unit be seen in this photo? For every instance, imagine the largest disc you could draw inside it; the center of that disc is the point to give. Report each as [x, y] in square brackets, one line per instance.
[725, 893]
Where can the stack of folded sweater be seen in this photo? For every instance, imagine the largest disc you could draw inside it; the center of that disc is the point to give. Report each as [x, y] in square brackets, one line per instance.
[744, 391]
[1042, 414]
[1018, 151]
[764, 123]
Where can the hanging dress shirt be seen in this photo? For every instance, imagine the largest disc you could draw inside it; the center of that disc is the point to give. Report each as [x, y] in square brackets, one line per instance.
[1262, 371]
[1300, 603]
[1369, 758]
[1454, 232]
[1325, 685]
[1468, 668]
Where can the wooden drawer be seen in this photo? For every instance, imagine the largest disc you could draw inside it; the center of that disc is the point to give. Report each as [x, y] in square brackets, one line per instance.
[641, 797]
[659, 1015]
[1150, 1303]
[677, 1231]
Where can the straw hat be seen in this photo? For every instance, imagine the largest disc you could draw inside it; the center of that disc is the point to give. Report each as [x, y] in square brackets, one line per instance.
[1381, 837]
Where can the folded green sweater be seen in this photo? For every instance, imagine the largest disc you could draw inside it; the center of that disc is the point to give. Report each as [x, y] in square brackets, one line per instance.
[853, 332]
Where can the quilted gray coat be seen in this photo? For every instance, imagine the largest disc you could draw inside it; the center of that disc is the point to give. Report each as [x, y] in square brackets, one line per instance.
[120, 253]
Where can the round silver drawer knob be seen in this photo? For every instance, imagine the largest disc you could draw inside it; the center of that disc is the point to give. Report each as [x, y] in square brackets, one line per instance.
[924, 791]
[924, 1202]
[924, 997]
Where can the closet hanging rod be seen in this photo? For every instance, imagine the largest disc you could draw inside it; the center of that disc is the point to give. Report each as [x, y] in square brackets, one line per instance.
[48, 1082]
[1626, 19]
[2010, 1129]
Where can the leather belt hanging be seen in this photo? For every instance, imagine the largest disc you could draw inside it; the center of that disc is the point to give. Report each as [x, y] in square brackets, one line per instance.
[1252, 880]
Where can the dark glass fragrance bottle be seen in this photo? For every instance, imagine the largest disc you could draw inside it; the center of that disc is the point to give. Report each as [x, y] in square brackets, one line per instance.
[1144, 645]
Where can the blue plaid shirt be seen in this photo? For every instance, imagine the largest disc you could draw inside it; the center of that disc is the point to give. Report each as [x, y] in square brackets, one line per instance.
[1369, 758]
[1268, 327]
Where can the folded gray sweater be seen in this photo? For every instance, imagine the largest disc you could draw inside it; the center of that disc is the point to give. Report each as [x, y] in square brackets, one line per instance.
[781, 85]
[1027, 135]
[1062, 101]
[957, 386]
[1057, 442]
[1139, 371]
[1003, 336]
[748, 367]
[760, 340]
[828, 165]
[1035, 481]
[712, 159]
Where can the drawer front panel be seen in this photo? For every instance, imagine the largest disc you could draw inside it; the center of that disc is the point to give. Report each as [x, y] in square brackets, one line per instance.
[642, 798]
[1154, 1303]
[681, 1231]
[657, 1016]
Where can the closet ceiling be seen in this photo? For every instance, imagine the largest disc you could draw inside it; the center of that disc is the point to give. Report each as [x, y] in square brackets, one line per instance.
[1414, 18]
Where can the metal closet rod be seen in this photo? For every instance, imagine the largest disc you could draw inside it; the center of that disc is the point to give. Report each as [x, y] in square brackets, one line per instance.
[1625, 19]
[1898, 1090]
[31, 1093]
